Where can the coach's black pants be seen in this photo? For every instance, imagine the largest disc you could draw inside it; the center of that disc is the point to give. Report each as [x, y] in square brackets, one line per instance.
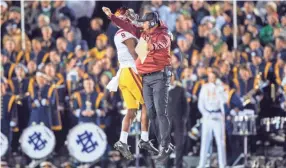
[155, 93]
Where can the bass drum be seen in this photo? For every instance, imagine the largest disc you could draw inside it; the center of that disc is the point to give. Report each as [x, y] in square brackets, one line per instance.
[86, 142]
[4, 144]
[37, 141]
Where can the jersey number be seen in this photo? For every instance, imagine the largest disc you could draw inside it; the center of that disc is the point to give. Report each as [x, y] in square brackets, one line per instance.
[123, 35]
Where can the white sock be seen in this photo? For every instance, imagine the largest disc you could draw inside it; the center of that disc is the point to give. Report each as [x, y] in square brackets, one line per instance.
[145, 136]
[123, 137]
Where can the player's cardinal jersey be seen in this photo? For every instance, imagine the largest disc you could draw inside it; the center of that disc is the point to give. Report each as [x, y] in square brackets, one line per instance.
[124, 57]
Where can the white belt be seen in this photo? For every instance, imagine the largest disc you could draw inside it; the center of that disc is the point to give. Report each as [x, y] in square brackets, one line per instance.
[112, 86]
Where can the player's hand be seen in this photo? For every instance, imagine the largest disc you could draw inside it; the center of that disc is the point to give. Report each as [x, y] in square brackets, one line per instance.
[107, 11]
[89, 113]
[150, 47]
[85, 113]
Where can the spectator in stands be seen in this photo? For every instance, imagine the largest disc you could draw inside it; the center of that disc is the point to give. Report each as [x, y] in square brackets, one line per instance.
[248, 12]
[219, 46]
[65, 23]
[172, 15]
[198, 12]
[110, 54]
[271, 8]
[42, 21]
[14, 33]
[94, 30]
[4, 11]
[283, 21]
[245, 41]
[68, 34]
[99, 51]
[163, 10]
[60, 8]
[48, 42]
[3, 7]
[186, 24]
[15, 14]
[266, 33]
[227, 36]
[46, 8]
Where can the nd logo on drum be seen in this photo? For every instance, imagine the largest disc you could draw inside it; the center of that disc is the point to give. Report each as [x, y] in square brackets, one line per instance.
[85, 139]
[37, 141]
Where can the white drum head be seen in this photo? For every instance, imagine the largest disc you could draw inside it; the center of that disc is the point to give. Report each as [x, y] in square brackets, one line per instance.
[37, 141]
[4, 144]
[86, 142]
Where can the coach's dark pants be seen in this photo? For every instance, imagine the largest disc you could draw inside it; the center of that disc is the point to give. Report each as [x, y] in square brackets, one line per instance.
[155, 92]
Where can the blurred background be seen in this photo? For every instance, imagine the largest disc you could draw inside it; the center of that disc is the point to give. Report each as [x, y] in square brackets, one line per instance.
[52, 52]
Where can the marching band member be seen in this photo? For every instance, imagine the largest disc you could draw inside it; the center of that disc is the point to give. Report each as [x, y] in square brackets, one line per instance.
[75, 79]
[201, 78]
[88, 103]
[81, 54]
[57, 81]
[10, 51]
[62, 44]
[257, 64]
[38, 54]
[130, 84]
[210, 104]
[32, 69]
[278, 67]
[282, 95]
[9, 117]
[42, 97]
[19, 87]
[197, 79]
[55, 59]
[233, 103]
[244, 84]
[8, 66]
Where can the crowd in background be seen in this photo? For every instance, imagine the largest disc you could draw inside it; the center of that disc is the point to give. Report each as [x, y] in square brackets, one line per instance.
[67, 58]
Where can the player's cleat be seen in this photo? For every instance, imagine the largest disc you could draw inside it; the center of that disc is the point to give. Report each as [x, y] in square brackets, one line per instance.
[147, 145]
[124, 150]
[164, 153]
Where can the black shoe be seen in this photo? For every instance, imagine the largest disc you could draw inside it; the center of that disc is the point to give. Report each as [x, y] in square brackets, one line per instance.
[148, 146]
[164, 153]
[124, 150]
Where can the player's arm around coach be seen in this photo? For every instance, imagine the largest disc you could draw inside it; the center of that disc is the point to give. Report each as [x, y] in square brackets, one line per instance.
[155, 70]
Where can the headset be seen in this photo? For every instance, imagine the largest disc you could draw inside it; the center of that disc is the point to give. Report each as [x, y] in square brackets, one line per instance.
[154, 21]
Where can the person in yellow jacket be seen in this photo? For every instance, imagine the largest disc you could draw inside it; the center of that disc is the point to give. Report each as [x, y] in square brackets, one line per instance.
[99, 51]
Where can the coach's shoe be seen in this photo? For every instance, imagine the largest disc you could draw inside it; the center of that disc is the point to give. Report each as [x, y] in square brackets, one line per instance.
[147, 145]
[164, 153]
[124, 150]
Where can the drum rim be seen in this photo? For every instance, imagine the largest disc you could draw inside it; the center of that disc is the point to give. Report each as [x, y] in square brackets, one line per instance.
[68, 146]
[54, 140]
[6, 149]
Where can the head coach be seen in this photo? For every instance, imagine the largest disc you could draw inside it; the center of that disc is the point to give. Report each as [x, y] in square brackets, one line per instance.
[155, 71]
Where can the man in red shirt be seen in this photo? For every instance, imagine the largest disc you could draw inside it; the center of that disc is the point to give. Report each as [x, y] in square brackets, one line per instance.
[155, 70]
